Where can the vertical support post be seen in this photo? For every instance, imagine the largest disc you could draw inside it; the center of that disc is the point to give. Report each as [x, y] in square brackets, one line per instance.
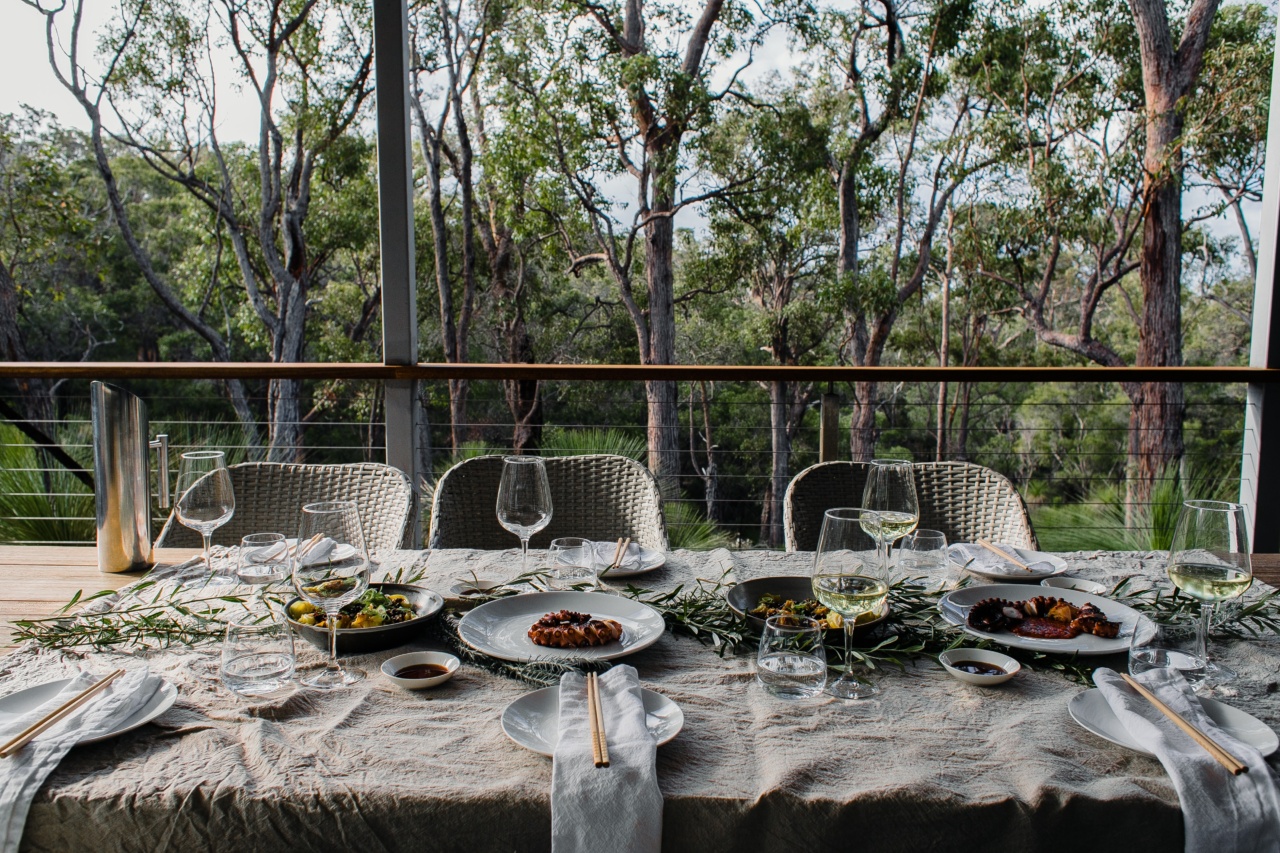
[395, 234]
[1260, 459]
[829, 429]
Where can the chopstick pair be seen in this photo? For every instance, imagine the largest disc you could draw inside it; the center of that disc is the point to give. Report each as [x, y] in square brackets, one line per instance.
[619, 553]
[1000, 552]
[1233, 765]
[56, 715]
[599, 746]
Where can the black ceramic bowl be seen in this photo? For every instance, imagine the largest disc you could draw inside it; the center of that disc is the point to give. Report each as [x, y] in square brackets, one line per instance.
[359, 641]
[744, 597]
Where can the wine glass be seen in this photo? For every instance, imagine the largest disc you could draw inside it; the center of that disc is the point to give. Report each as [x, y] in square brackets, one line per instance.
[847, 579]
[524, 499]
[331, 570]
[890, 492]
[205, 500]
[1209, 561]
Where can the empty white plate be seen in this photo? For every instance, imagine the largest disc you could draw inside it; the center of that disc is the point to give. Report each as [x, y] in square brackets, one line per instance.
[1091, 711]
[533, 720]
[23, 701]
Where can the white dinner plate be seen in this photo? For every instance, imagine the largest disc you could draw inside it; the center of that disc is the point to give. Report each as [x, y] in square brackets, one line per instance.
[1090, 709]
[1008, 571]
[954, 607]
[650, 559]
[533, 720]
[22, 701]
[500, 628]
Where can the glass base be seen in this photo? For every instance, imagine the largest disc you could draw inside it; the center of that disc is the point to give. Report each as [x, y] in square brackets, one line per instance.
[847, 687]
[331, 679]
[1216, 674]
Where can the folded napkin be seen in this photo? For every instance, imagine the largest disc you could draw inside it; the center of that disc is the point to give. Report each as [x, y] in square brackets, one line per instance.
[22, 774]
[267, 553]
[976, 557]
[602, 555]
[1220, 812]
[612, 808]
[320, 552]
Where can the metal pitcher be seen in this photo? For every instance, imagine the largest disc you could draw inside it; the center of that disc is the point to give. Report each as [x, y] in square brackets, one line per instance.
[122, 476]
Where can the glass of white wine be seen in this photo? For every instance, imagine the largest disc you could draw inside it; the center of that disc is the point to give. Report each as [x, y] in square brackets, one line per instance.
[847, 578]
[1209, 561]
[524, 499]
[890, 492]
[331, 570]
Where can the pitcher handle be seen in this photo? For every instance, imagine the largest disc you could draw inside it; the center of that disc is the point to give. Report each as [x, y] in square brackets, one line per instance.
[161, 443]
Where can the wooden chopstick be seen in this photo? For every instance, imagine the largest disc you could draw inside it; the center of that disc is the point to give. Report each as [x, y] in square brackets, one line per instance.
[599, 745]
[622, 553]
[54, 716]
[1005, 554]
[1234, 765]
[613, 564]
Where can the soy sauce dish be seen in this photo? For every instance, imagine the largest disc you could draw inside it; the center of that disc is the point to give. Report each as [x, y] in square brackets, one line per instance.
[979, 666]
[417, 670]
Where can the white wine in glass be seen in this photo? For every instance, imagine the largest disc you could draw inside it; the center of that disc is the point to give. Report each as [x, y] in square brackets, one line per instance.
[890, 493]
[846, 578]
[524, 500]
[205, 501]
[1209, 561]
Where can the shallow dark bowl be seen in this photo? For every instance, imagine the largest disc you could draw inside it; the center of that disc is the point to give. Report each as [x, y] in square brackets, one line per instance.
[359, 641]
[746, 595]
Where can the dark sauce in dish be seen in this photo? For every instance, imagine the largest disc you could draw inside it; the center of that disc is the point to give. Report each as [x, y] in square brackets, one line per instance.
[422, 670]
[974, 668]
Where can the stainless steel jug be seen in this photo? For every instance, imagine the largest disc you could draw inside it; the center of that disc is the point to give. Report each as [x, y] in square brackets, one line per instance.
[122, 477]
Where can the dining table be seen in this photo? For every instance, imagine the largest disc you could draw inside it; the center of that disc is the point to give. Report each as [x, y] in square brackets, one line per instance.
[931, 763]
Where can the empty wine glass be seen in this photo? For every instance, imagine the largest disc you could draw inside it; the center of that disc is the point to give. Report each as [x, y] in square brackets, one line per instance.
[331, 570]
[890, 492]
[205, 500]
[847, 579]
[524, 499]
[1209, 561]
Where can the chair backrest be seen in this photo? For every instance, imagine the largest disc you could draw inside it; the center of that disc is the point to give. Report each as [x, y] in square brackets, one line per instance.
[964, 501]
[270, 497]
[597, 497]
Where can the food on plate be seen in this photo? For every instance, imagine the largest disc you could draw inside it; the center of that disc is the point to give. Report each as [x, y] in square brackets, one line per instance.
[775, 605]
[1041, 618]
[566, 629]
[371, 610]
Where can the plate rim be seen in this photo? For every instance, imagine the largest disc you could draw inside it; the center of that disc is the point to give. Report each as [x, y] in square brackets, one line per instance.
[167, 691]
[644, 692]
[1093, 696]
[1059, 565]
[643, 569]
[949, 611]
[466, 625]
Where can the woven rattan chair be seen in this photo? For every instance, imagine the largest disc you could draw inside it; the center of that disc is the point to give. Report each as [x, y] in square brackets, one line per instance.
[596, 497]
[966, 502]
[270, 496]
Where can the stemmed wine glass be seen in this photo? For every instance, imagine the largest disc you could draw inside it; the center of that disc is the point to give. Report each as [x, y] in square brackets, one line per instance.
[890, 492]
[205, 500]
[1209, 561]
[331, 570]
[846, 579]
[524, 499]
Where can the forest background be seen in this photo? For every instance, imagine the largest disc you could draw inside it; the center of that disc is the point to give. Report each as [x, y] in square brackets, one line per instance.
[929, 182]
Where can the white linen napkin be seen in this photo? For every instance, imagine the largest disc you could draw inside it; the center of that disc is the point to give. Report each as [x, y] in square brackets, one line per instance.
[309, 555]
[977, 557]
[612, 808]
[22, 774]
[1220, 812]
[602, 555]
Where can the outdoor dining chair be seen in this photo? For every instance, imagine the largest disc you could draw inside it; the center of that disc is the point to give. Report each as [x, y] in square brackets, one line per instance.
[965, 501]
[270, 496]
[597, 497]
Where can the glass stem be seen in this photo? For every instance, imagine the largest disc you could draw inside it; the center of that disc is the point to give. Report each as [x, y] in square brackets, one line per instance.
[882, 545]
[848, 647]
[331, 619]
[207, 535]
[524, 553]
[1202, 631]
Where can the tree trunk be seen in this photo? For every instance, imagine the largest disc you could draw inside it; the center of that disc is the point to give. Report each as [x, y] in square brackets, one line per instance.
[960, 434]
[862, 423]
[781, 454]
[662, 396]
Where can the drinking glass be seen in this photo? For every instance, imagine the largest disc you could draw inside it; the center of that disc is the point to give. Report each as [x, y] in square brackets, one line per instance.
[524, 500]
[792, 661]
[1209, 561]
[264, 559]
[205, 500]
[572, 563]
[847, 578]
[258, 656]
[1167, 644]
[923, 556]
[890, 492]
[331, 570]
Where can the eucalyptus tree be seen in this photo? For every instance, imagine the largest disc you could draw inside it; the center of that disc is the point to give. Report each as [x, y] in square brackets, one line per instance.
[306, 68]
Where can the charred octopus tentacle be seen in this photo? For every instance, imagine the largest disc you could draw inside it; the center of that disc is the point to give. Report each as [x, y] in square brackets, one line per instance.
[1042, 617]
[566, 629]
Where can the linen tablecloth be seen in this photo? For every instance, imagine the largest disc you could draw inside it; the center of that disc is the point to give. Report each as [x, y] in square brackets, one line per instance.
[930, 764]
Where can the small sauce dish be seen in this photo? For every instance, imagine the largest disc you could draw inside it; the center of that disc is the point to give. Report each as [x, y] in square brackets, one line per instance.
[474, 587]
[418, 670]
[1078, 584]
[979, 666]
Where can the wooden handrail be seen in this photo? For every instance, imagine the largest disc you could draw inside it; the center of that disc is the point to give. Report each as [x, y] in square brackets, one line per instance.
[623, 372]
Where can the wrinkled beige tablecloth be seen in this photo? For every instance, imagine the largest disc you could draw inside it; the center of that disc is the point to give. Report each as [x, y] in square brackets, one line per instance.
[932, 764]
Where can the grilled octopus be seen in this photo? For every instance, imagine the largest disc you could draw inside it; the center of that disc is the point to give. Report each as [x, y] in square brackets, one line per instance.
[566, 629]
[1042, 617]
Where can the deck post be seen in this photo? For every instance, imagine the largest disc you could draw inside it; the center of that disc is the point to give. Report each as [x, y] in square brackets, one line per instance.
[1260, 457]
[395, 236]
